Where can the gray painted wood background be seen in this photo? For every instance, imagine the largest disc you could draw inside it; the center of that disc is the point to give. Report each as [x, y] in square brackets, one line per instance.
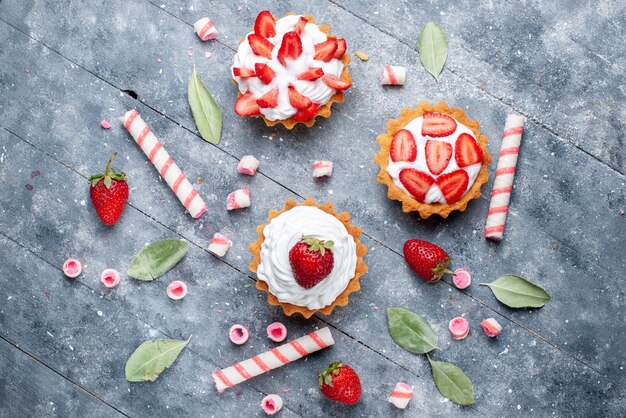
[64, 65]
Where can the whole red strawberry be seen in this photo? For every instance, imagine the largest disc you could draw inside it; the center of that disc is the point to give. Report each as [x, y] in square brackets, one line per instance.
[428, 260]
[340, 383]
[311, 261]
[109, 192]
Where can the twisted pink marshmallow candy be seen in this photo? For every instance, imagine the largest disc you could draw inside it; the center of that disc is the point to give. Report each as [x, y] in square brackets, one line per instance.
[401, 395]
[322, 168]
[219, 245]
[248, 165]
[393, 76]
[205, 29]
[491, 327]
[164, 164]
[276, 357]
[238, 199]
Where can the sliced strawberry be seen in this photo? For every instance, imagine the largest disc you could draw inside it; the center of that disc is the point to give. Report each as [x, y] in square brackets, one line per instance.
[260, 46]
[265, 25]
[341, 48]
[453, 185]
[269, 99]
[416, 182]
[246, 105]
[297, 100]
[467, 151]
[311, 74]
[303, 115]
[403, 147]
[438, 155]
[326, 50]
[299, 28]
[290, 48]
[335, 83]
[437, 125]
[264, 72]
[243, 72]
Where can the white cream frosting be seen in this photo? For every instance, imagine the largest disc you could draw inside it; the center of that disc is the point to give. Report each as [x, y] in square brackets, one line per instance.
[282, 233]
[434, 194]
[316, 90]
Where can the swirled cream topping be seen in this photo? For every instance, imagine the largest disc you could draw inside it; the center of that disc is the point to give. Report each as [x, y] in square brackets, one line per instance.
[317, 90]
[282, 233]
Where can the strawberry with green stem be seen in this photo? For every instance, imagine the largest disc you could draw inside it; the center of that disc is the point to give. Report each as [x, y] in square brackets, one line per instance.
[340, 383]
[109, 193]
[429, 261]
[311, 260]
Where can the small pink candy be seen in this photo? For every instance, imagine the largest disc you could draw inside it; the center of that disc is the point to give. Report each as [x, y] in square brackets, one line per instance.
[459, 328]
[272, 404]
[238, 199]
[621, 211]
[322, 168]
[110, 278]
[72, 268]
[176, 290]
[204, 29]
[462, 278]
[105, 124]
[276, 332]
[219, 245]
[238, 334]
[491, 327]
[248, 165]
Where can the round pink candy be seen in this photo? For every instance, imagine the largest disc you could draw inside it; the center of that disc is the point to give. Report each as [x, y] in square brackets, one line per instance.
[277, 332]
[238, 334]
[462, 278]
[459, 328]
[72, 268]
[110, 278]
[176, 290]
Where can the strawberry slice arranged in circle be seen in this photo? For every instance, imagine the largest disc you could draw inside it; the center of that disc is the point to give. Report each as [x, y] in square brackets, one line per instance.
[243, 72]
[403, 147]
[453, 185]
[325, 50]
[269, 99]
[260, 46]
[416, 182]
[264, 72]
[265, 25]
[437, 125]
[467, 151]
[299, 28]
[341, 48]
[291, 47]
[246, 105]
[438, 156]
[335, 83]
[302, 115]
[298, 100]
[311, 74]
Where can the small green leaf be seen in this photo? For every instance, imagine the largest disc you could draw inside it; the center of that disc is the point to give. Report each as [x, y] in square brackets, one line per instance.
[452, 383]
[157, 259]
[107, 181]
[205, 110]
[517, 292]
[151, 358]
[433, 49]
[410, 331]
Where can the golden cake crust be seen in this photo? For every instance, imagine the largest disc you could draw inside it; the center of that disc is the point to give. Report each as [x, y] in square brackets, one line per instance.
[353, 284]
[324, 110]
[409, 203]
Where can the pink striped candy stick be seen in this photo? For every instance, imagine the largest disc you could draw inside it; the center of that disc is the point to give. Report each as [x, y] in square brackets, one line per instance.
[505, 172]
[276, 357]
[164, 164]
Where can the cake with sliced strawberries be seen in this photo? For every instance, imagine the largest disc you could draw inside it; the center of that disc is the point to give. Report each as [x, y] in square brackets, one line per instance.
[433, 159]
[290, 70]
[308, 258]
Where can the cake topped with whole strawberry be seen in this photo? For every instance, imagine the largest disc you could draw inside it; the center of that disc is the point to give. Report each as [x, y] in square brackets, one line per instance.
[289, 70]
[433, 160]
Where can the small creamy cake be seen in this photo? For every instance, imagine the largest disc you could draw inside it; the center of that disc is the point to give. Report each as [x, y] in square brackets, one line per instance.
[321, 236]
[289, 70]
[433, 159]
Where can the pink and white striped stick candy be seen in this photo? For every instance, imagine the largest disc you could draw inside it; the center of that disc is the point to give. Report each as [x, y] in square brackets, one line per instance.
[276, 357]
[205, 29]
[401, 395]
[164, 164]
[505, 172]
[393, 75]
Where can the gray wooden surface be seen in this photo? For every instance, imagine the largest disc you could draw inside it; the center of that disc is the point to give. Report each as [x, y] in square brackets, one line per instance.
[64, 65]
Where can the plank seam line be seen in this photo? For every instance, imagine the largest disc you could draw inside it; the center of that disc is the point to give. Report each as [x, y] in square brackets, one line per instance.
[562, 350]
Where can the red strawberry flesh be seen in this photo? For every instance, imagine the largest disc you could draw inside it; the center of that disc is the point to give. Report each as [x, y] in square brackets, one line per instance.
[297, 100]
[453, 185]
[416, 182]
[341, 48]
[265, 25]
[269, 99]
[438, 155]
[326, 50]
[403, 147]
[437, 125]
[264, 72]
[467, 151]
[291, 47]
[335, 83]
[260, 46]
[311, 74]
[246, 105]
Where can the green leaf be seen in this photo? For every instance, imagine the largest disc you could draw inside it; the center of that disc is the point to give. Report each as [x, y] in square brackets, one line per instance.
[517, 292]
[206, 113]
[433, 49]
[410, 331]
[157, 259]
[452, 383]
[151, 358]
